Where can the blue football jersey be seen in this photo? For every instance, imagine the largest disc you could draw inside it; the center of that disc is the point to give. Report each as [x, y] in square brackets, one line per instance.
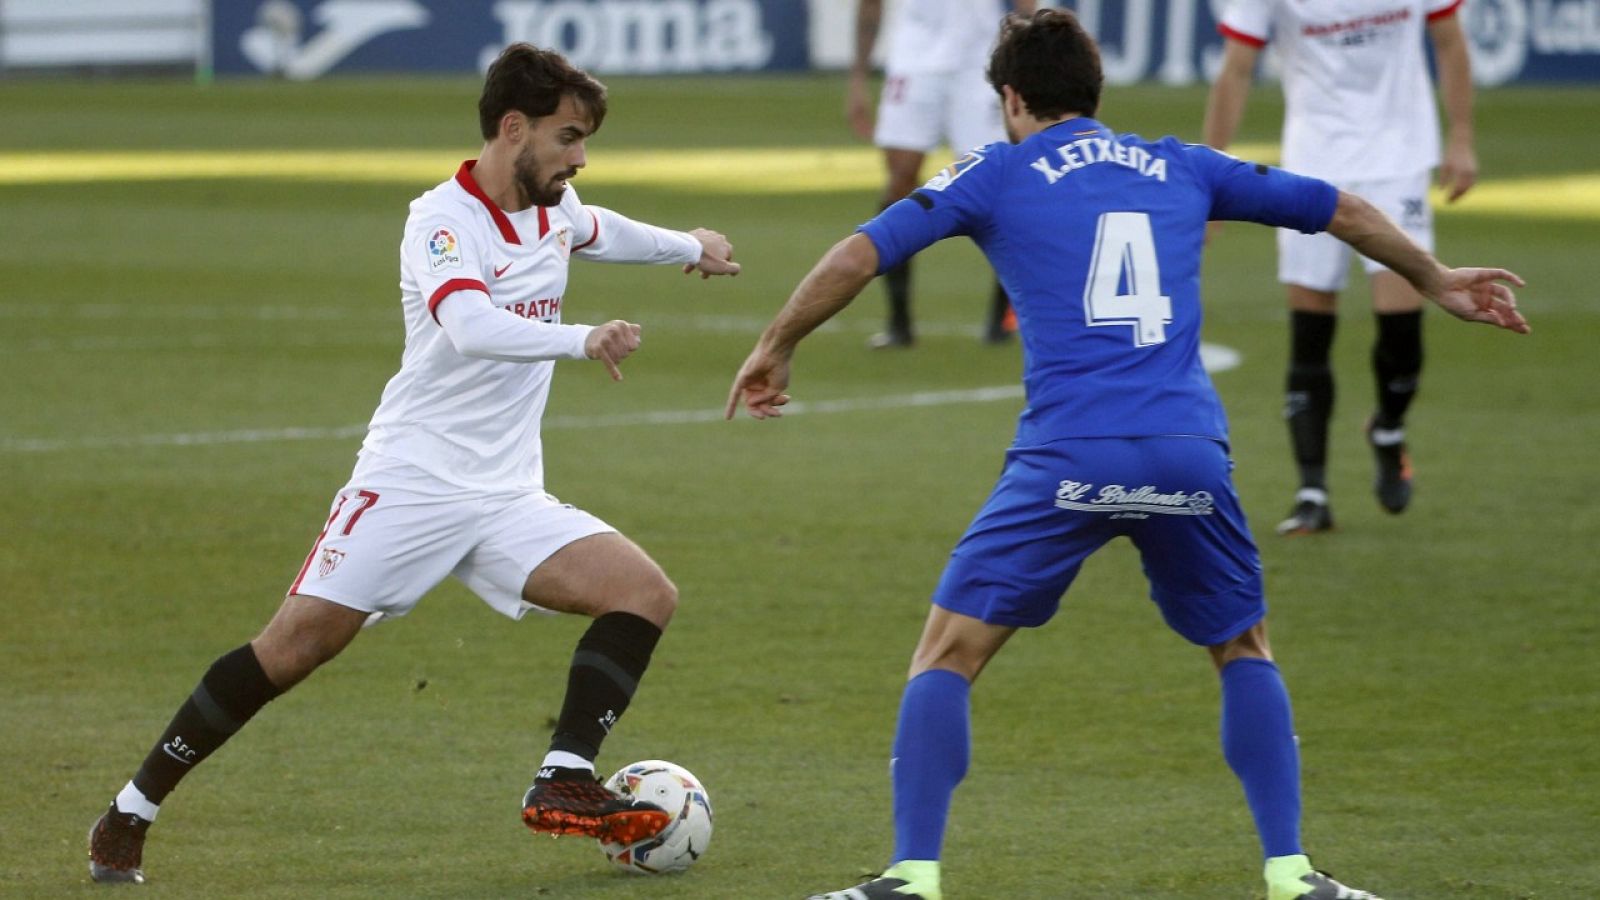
[1098, 237]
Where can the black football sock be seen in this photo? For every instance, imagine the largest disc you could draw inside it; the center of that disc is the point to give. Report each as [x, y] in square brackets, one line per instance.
[1396, 365]
[897, 288]
[606, 667]
[897, 283]
[1308, 399]
[233, 689]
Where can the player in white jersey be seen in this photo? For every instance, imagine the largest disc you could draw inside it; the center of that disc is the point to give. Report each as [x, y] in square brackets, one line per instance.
[450, 480]
[1359, 112]
[934, 90]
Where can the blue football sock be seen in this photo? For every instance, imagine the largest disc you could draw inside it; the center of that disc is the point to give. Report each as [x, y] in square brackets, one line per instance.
[1258, 742]
[931, 749]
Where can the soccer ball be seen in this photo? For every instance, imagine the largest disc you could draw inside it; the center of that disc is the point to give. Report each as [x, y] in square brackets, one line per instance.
[676, 790]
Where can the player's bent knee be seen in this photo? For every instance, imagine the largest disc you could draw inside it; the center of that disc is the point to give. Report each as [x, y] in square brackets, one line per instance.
[958, 643]
[656, 600]
[1249, 644]
[287, 664]
[1304, 299]
[644, 591]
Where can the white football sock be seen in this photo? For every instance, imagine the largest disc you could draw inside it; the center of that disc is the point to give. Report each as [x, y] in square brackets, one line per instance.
[132, 800]
[564, 760]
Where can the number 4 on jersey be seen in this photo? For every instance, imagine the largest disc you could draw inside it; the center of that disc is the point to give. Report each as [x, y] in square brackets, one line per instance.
[1125, 253]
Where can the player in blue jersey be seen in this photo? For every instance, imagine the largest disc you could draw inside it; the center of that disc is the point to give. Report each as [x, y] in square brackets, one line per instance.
[1097, 238]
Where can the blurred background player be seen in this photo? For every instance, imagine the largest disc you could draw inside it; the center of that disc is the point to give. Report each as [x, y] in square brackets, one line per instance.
[1100, 235]
[1359, 112]
[450, 478]
[933, 91]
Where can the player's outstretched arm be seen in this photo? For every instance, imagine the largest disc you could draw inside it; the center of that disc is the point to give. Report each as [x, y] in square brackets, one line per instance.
[716, 255]
[617, 238]
[1472, 294]
[832, 283]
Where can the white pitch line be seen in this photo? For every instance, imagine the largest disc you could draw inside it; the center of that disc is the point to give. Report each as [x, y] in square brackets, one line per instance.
[613, 420]
[192, 439]
[189, 312]
[1215, 358]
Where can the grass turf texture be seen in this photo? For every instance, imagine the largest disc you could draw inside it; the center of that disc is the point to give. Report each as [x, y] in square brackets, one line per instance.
[1441, 662]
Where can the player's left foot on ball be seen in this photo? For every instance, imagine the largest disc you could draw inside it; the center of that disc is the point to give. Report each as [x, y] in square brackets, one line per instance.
[571, 801]
[1393, 481]
[1292, 878]
[116, 847]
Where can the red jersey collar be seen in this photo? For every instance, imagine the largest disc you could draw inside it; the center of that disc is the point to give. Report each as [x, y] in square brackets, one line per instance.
[501, 221]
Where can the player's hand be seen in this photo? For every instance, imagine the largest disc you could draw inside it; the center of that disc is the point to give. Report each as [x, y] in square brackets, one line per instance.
[612, 343]
[1476, 295]
[1213, 230]
[760, 384]
[716, 255]
[858, 107]
[1458, 171]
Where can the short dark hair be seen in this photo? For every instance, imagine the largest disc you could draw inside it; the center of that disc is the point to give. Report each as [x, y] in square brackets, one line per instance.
[532, 82]
[1050, 61]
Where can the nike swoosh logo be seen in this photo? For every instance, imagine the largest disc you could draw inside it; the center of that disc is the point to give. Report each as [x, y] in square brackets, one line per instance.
[502, 270]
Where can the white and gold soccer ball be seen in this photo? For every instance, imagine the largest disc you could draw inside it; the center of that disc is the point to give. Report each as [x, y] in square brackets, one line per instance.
[676, 790]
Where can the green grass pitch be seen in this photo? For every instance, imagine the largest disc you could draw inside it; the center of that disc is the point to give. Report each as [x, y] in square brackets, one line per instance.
[188, 363]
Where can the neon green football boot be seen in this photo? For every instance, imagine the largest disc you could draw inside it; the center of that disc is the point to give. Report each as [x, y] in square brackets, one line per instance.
[912, 879]
[1292, 878]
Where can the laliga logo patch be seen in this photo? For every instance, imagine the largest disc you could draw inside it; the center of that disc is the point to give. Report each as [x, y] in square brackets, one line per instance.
[444, 251]
[950, 173]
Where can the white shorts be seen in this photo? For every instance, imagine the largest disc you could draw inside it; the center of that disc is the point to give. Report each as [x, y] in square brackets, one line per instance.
[393, 535]
[1321, 262]
[917, 111]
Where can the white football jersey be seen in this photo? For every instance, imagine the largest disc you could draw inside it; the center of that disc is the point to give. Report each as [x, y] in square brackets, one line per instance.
[942, 35]
[1355, 82]
[475, 422]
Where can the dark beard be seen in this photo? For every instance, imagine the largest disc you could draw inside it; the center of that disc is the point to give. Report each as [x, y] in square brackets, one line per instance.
[533, 182]
[539, 190]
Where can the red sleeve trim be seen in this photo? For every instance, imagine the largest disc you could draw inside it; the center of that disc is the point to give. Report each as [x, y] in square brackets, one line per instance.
[593, 237]
[450, 287]
[508, 232]
[1243, 38]
[1445, 13]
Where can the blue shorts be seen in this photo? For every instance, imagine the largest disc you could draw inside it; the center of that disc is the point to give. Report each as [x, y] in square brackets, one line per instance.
[1056, 504]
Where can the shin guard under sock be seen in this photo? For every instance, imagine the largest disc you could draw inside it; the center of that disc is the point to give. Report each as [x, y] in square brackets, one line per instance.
[606, 667]
[1259, 744]
[1309, 394]
[1396, 365]
[932, 745]
[233, 690]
